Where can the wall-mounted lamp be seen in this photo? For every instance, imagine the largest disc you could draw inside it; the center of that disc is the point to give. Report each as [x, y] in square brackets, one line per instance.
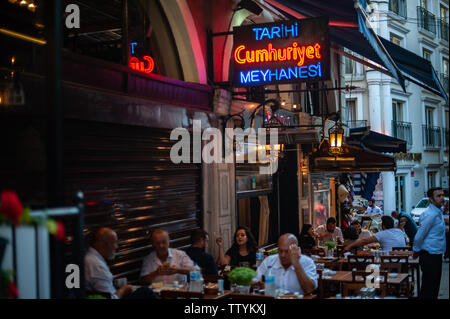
[336, 138]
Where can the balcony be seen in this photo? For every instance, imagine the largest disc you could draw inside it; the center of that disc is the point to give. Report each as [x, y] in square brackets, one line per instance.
[444, 82]
[355, 124]
[403, 131]
[398, 7]
[426, 20]
[431, 136]
[443, 30]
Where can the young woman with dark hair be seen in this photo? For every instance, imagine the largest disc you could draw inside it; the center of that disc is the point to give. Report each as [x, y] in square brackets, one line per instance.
[243, 250]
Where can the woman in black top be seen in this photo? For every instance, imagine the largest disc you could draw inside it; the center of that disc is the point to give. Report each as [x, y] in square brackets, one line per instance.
[307, 239]
[243, 250]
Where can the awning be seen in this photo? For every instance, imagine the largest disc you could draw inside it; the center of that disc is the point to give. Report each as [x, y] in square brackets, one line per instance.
[366, 139]
[349, 28]
[354, 159]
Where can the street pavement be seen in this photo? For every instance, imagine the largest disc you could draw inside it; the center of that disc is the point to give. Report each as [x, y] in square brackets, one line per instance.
[443, 292]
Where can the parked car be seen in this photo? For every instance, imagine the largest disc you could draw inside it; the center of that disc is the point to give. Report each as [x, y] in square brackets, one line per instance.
[421, 206]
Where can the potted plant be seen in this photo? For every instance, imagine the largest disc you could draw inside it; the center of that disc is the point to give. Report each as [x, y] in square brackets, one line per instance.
[330, 247]
[241, 278]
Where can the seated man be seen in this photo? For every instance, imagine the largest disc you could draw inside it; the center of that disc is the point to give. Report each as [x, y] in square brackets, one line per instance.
[389, 237]
[199, 240]
[98, 277]
[329, 232]
[164, 264]
[293, 271]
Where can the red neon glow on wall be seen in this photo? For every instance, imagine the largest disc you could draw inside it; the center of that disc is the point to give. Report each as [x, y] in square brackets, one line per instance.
[145, 66]
[271, 54]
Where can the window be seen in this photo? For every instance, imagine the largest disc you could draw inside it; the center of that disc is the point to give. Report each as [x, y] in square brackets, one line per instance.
[398, 7]
[397, 111]
[423, 4]
[444, 13]
[350, 66]
[444, 74]
[395, 39]
[443, 24]
[400, 193]
[427, 54]
[351, 110]
[431, 178]
[429, 121]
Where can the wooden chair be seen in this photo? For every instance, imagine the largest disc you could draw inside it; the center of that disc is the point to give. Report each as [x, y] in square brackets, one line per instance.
[360, 262]
[359, 281]
[407, 248]
[396, 268]
[173, 294]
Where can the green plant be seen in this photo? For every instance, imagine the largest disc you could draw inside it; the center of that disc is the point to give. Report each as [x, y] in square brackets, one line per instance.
[330, 244]
[273, 252]
[242, 276]
[95, 297]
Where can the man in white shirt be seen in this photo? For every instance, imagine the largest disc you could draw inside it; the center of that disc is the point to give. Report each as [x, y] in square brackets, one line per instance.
[293, 271]
[372, 209]
[389, 237]
[98, 277]
[329, 232]
[164, 264]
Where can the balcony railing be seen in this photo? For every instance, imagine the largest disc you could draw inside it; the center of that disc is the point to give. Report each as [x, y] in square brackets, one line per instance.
[398, 7]
[431, 136]
[355, 124]
[403, 131]
[444, 82]
[426, 20]
[443, 30]
[445, 139]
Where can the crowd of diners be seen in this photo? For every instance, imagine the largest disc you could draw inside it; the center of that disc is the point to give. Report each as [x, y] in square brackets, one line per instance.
[294, 271]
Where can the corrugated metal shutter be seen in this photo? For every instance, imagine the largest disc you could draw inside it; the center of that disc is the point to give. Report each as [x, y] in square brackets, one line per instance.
[131, 185]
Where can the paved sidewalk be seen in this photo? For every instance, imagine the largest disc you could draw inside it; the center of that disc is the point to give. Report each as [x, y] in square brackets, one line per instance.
[443, 292]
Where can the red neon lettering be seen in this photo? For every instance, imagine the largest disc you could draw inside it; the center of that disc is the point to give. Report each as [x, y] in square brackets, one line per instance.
[137, 65]
[269, 54]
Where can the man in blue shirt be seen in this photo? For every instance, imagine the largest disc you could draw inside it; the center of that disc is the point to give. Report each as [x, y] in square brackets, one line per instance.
[199, 240]
[429, 244]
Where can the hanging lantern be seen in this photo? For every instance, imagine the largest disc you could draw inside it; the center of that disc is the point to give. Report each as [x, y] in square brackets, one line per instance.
[336, 138]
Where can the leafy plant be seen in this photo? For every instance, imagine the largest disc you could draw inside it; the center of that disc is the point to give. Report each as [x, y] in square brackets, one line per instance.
[330, 244]
[242, 276]
[273, 252]
[96, 297]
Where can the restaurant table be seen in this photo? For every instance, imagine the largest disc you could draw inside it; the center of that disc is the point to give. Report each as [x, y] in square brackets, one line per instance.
[346, 277]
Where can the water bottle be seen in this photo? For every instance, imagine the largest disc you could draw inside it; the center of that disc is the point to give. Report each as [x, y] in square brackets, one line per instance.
[253, 180]
[269, 287]
[195, 276]
[259, 256]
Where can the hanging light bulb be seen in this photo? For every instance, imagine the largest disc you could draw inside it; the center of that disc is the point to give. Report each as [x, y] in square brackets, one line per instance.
[23, 3]
[12, 1]
[32, 7]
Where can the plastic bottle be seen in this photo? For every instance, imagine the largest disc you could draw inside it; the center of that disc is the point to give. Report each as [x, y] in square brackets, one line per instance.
[195, 276]
[253, 179]
[269, 286]
[259, 256]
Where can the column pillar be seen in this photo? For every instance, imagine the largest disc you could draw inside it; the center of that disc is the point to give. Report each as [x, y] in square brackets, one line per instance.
[387, 105]
[388, 192]
[375, 102]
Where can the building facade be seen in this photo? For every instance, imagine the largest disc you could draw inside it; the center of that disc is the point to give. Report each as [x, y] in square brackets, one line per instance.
[417, 116]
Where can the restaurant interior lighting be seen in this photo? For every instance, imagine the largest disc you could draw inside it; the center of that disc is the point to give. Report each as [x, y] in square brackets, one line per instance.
[23, 3]
[32, 7]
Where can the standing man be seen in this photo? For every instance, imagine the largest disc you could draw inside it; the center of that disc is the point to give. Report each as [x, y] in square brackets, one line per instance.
[429, 244]
[406, 223]
[199, 240]
[446, 230]
[372, 209]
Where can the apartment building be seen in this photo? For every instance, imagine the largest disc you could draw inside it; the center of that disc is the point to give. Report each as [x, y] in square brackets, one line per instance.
[417, 115]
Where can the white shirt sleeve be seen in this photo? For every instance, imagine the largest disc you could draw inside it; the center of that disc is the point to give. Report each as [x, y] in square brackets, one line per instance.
[310, 269]
[100, 279]
[185, 261]
[262, 269]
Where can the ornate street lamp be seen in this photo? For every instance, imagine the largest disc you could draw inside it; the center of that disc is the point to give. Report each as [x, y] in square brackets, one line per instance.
[336, 138]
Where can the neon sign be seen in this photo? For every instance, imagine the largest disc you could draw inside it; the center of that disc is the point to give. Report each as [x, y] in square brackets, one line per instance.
[145, 65]
[287, 52]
